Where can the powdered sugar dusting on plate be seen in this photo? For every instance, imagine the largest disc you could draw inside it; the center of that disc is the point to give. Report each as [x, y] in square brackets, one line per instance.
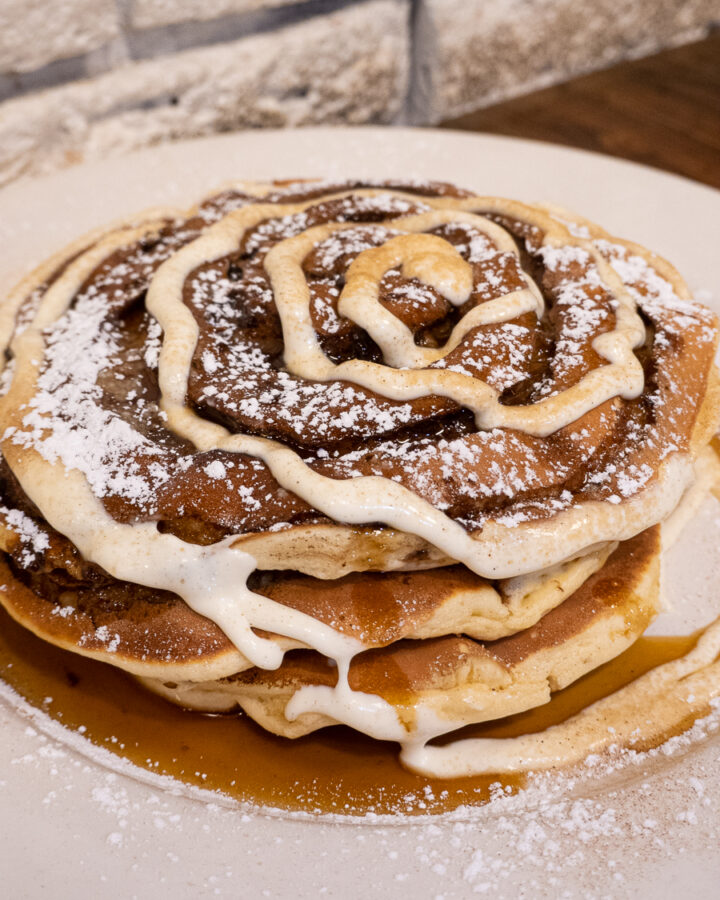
[556, 835]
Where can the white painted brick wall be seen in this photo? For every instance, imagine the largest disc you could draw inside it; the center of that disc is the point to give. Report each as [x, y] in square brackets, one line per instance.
[34, 33]
[346, 67]
[83, 78]
[154, 13]
[471, 53]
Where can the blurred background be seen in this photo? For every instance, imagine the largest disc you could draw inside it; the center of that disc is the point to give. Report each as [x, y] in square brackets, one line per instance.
[83, 79]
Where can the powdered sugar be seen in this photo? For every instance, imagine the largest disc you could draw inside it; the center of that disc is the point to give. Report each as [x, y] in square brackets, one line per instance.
[32, 538]
[153, 344]
[215, 469]
[65, 420]
[499, 355]
[655, 294]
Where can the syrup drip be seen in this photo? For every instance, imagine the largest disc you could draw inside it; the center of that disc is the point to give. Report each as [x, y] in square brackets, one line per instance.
[334, 770]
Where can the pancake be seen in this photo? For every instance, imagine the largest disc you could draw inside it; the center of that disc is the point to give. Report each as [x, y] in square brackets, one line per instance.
[531, 477]
[387, 454]
[157, 635]
[453, 678]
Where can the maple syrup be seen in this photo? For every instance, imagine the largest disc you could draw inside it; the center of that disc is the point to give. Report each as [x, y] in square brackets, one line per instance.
[334, 770]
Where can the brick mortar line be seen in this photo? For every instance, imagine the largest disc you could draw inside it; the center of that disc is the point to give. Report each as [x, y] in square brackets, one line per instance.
[224, 29]
[416, 108]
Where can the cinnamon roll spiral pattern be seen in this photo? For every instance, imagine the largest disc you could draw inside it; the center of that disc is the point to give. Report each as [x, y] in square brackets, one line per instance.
[337, 379]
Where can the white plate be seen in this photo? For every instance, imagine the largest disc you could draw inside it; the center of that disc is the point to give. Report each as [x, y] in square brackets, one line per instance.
[71, 828]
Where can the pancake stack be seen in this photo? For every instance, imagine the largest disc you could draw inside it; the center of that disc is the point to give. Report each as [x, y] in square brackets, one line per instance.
[389, 455]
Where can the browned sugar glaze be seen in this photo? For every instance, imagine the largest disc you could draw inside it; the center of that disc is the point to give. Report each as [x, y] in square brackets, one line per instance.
[238, 379]
[331, 771]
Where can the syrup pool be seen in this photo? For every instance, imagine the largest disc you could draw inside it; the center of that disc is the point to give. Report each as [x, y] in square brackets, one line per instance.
[334, 770]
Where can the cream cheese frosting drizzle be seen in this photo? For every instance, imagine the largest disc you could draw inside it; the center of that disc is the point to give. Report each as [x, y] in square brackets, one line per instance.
[371, 498]
[642, 709]
[213, 579]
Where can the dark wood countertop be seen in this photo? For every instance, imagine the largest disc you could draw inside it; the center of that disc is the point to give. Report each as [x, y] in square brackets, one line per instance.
[663, 110]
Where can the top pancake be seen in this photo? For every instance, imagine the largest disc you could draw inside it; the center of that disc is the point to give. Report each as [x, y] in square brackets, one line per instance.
[503, 485]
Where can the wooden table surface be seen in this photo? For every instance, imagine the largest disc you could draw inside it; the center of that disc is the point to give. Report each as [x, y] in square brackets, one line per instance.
[663, 110]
